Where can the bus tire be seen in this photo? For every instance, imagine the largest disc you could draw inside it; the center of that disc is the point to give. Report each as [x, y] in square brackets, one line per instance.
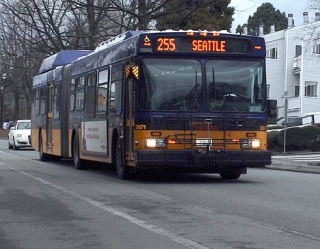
[230, 174]
[43, 156]
[123, 171]
[77, 161]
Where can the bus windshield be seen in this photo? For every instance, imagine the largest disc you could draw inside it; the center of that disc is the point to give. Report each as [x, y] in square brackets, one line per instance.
[178, 85]
[171, 85]
[234, 85]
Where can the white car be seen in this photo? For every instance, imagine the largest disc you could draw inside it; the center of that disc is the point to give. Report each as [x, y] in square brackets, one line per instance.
[19, 134]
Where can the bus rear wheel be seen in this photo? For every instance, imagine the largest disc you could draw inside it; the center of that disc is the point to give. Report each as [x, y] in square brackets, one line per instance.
[43, 156]
[77, 161]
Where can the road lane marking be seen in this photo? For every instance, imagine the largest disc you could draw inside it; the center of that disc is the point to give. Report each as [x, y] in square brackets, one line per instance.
[142, 223]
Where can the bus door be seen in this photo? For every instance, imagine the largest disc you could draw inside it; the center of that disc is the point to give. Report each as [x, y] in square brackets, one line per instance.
[49, 115]
[129, 112]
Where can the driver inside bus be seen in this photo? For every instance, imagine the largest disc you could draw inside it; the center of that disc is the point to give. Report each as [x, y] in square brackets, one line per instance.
[215, 97]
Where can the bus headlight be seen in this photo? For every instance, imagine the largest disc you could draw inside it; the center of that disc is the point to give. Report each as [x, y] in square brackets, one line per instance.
[250, 143]
[155, 143]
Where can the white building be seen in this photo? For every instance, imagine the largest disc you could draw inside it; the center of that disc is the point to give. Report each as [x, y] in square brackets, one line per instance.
[293, 66]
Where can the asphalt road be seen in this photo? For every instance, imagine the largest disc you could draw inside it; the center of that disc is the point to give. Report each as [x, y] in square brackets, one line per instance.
[51, 205]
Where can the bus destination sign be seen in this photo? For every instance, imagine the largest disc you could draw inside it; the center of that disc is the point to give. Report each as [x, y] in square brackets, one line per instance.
[204, 45]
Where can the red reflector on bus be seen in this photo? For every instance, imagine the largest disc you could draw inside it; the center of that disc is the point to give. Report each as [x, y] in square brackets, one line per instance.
[171, 141]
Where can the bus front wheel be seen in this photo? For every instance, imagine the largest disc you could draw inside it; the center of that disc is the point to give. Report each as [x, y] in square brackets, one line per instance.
[123, 171]
[230, 174]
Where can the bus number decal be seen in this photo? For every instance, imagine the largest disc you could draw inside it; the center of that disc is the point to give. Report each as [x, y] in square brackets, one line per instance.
[166, 44]
[141, 127]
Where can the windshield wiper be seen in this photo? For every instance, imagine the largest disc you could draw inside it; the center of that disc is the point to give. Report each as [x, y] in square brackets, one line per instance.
[194, 89]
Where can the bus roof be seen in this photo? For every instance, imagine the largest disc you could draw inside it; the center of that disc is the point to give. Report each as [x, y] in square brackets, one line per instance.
[183, 42]
[61, 58]
[117, 39]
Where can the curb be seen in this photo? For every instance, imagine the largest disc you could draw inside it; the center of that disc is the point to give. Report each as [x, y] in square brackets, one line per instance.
[314, 169]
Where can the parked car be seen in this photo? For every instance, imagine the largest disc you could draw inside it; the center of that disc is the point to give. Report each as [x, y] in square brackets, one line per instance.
[19, 134]
[291, 121]
[5, 125]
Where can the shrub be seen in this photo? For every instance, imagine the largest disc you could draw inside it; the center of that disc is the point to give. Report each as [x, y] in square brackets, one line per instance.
[299, 137]
[273, 139]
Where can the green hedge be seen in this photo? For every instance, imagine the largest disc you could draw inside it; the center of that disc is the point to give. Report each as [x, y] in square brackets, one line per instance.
[298, 137]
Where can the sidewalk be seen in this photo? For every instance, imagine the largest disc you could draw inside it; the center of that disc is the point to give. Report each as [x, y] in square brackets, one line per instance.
[288, 164]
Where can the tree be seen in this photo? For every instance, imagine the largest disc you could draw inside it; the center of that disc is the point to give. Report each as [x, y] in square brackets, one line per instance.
[195, 14]
[15, 70]
[140, 14]
[266, 15]
[31, 30]
[239, 29]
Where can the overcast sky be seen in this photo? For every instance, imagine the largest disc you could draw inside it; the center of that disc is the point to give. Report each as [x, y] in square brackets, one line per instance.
[245, 8]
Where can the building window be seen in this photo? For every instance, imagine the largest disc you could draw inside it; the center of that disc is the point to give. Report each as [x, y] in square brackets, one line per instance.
[316, 46]
[298, 50]
[311, 89]
[268, 91]
[272, 53]
[296, 91]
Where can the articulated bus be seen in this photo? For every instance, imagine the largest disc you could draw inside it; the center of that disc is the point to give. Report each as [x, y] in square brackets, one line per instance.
[187, 101]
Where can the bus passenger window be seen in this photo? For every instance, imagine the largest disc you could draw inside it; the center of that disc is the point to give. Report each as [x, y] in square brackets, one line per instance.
[103, 92]
[115, 97]
[43, 100]
[36, 100]
[116, 89]
[102, 99]
[72, 95]
[91, 95]
[80, 93]
[56, 102]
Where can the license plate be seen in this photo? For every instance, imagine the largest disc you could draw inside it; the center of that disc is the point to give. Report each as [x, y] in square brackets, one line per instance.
[203, 141]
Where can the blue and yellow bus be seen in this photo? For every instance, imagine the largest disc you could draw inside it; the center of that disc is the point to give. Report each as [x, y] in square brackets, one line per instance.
[191, 101]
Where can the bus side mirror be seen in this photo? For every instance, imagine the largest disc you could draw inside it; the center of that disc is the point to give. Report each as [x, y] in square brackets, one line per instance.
[272, 107]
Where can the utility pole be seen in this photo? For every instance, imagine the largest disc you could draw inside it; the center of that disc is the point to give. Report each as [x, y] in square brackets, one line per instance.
[285, 96]
[1, 105]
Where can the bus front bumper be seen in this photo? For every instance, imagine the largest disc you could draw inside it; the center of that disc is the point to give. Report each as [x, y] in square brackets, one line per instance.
[192, 159]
